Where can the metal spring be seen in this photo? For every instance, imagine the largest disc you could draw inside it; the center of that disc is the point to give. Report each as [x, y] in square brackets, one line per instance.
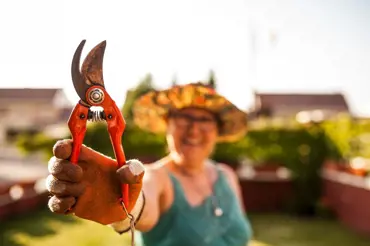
[96, 115]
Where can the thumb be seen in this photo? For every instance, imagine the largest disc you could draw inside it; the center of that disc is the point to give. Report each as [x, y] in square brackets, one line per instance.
[132, 172]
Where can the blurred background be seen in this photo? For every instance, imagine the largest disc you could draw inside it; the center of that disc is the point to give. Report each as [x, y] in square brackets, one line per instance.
[300, 69]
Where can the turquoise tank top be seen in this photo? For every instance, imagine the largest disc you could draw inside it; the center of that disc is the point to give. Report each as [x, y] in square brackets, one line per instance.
[184, 225]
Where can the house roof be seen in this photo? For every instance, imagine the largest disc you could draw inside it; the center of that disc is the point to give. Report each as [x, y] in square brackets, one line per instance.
[65, 113]
[28, 93]
[338, 101]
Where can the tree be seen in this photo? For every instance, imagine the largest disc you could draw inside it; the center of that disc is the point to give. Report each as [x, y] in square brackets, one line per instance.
[174, 80]
[144, 86]
[212, 80]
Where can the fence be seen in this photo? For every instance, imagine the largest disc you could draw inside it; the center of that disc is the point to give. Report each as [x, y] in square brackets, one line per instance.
[265, 189]
[21, 197]
[348, 195]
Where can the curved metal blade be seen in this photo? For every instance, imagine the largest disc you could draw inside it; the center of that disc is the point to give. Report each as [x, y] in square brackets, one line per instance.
[77, 78]
[92, 67]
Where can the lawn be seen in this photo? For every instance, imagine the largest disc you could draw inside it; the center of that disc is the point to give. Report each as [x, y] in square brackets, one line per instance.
[46, 229]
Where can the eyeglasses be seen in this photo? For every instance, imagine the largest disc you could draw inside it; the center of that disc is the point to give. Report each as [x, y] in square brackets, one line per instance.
[205, 124]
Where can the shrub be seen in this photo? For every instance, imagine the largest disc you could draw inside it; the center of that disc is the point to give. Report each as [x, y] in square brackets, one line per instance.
[302, 149]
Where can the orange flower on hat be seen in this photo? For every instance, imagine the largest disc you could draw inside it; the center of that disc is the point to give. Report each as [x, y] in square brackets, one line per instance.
[147, 98]
[199, 100]
[162, 99]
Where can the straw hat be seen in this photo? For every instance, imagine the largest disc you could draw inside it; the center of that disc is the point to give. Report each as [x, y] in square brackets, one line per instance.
[150, 109]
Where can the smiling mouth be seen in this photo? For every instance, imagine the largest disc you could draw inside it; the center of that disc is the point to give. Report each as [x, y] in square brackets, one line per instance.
[192, 142]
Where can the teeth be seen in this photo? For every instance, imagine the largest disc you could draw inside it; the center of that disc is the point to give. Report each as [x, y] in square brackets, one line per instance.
[193, 141]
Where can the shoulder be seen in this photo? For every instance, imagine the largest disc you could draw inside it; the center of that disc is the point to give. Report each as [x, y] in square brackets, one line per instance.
[228, 172]
[233, 181]
[157, 167]
[156, 171]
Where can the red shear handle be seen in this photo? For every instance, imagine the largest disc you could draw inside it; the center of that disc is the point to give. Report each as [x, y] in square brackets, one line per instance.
[116, 127]
[77, 126]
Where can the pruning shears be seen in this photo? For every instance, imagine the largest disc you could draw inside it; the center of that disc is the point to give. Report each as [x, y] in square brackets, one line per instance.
[95, 104]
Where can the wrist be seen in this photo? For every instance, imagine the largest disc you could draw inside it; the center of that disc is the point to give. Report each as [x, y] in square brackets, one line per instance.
[136, 212]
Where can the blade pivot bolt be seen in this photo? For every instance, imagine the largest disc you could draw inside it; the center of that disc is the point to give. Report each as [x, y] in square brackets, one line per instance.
[96, 95]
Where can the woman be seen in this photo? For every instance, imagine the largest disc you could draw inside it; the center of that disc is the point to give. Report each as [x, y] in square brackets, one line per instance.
[182, 199]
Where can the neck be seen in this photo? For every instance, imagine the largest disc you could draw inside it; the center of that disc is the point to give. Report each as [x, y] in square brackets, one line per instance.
[187, 168]
[190, 171]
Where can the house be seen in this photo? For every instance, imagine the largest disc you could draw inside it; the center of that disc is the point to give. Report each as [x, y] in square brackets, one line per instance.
[26, 110]
[286, 105]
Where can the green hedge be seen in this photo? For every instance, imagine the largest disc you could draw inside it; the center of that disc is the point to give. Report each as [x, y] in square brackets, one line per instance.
[136, 142]
[302, 149]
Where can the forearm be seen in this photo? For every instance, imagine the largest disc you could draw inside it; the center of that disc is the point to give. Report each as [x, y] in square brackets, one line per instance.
[146, 210]
[134, 216]
[150, 212]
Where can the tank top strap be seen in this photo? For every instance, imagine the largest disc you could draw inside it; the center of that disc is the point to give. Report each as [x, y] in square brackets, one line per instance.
[179, 195]
[222, 187]
[221, 183]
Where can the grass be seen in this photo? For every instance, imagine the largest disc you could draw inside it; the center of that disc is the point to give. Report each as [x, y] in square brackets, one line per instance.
[43, 228]
[283, 230]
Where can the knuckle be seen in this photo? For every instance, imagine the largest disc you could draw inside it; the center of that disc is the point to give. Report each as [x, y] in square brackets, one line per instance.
[126, 175]
[75, 173]
[48, 182]
[121, 173]
[78, 189]
[55, 186]
[57, 145]
[54, 165]
[87, 154]
[62, 149]
[65, 170]
[60, 205]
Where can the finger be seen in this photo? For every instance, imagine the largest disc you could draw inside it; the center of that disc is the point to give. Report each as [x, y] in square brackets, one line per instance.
[63, 149]
[65, 170]
[61, 205]
[132, 172]
[63, 188]
[88, 154]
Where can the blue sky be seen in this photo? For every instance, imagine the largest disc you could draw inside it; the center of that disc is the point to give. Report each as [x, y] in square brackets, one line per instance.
[300, 46]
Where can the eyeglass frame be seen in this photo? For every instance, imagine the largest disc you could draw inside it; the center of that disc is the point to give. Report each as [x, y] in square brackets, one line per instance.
[192, 119]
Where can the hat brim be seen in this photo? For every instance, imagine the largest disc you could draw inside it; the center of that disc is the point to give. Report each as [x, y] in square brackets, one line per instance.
[149, 110]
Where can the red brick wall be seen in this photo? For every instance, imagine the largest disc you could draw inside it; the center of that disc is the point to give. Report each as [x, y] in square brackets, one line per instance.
[29, 201]
[265, 196]
[349, 196]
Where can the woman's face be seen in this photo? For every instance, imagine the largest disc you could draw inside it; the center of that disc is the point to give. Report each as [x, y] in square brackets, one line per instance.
[192, 134]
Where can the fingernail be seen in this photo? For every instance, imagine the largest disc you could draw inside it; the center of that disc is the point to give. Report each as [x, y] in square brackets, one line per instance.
[54, 206]
[136, 167]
